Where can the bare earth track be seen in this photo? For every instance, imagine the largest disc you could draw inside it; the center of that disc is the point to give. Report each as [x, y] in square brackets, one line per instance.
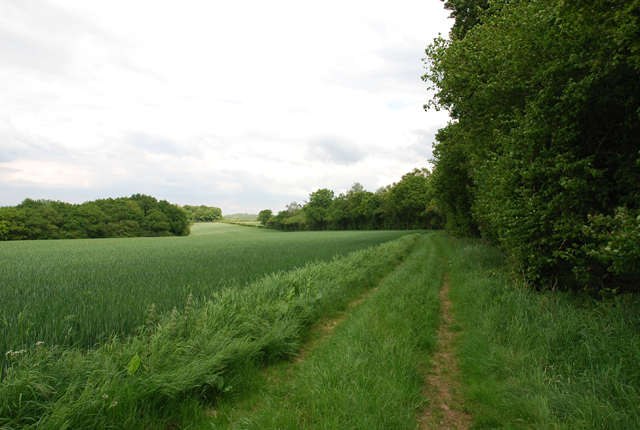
[445, 409]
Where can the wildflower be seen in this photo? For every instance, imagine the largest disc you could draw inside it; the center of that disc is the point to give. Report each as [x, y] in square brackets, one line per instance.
[105, 396]
[114, 404]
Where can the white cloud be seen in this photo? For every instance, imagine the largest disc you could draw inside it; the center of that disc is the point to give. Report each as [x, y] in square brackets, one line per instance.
[236, 104]
[335, 149]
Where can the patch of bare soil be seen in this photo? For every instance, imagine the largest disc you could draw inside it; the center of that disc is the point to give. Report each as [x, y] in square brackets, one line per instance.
[445, 409]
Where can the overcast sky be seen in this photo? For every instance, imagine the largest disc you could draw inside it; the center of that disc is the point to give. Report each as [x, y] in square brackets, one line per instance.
[244, 105]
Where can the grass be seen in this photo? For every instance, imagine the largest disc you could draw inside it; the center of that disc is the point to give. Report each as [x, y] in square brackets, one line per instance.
[367, 375]
[80, 292]
[528, 360]
[152, 379]
[542, 359]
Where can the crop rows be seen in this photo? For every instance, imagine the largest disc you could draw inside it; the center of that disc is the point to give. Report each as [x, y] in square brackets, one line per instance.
[79, 292]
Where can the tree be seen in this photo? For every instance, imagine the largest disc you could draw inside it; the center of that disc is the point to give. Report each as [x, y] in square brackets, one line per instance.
[409, 199]
[451, 183]
[178, 220]
[4, 230]
[317, 208]
[264, 216]
[139, 215]
[369, 208]
[293, 208]
[338, 213]
[544, 98]
[466, 13]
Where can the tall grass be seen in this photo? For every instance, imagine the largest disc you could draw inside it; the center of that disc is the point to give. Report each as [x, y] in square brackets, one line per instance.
[185, 357]
[543, 360]
[81, 292]
[369, 373]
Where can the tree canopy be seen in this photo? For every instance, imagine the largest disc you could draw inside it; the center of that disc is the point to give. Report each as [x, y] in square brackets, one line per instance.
[542, 153]
[138, 215]
[407, 204]
[203, 213]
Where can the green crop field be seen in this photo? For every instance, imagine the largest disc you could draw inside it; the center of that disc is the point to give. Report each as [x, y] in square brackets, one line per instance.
[81, 291]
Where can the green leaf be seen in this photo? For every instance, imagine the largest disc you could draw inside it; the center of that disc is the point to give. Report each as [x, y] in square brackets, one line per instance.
[133, 365]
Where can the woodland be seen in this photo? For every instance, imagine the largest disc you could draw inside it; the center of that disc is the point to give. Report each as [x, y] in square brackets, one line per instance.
[542, 155]
[406, 204]
[135, 216]
[203, 213]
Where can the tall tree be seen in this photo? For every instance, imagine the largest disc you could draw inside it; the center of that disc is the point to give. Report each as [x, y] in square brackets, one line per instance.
[264, 216]
[545, 98]
[466, 14]
[317, 209]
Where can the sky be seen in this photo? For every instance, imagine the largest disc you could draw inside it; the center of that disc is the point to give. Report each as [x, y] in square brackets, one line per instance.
[244, 105]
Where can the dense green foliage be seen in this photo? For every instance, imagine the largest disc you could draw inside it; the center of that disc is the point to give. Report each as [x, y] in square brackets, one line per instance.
[203, 213]
[199, 353]
[407, 204]
[135, 216]
[543, 360]
[264, 216]
[83, 291]
[466, 14]
[542, 155]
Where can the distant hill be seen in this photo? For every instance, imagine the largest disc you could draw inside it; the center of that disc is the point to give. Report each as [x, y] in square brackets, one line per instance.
[241, 217]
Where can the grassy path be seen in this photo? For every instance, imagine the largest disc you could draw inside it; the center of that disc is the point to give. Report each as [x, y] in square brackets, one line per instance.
[478, 353]
[446, 410]
[363, 369]
[446, 342]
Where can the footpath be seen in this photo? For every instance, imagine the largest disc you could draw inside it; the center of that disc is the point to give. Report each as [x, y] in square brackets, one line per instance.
[387, 362]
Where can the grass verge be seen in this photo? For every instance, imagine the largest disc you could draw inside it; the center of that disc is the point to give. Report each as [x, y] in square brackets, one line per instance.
[542, 360]
[156, 378]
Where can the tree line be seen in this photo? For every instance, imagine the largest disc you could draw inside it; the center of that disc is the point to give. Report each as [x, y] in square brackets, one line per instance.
[542, 155]
[203, 213]
[135, 216]
[407, 204]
